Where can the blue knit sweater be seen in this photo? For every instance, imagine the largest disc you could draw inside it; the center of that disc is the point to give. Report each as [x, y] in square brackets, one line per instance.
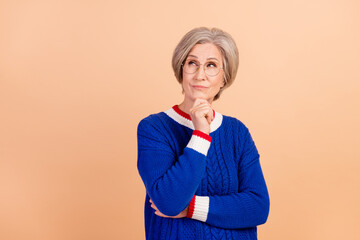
[218, 176]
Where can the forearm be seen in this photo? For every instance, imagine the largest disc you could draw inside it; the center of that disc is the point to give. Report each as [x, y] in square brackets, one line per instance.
[248, 207]
[171, 183]
[234, 211]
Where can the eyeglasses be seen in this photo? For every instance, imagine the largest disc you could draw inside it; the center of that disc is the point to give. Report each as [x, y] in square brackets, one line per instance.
[211, 68]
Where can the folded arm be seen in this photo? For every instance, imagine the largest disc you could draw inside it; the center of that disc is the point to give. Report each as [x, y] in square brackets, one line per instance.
[248, 207]
[170, 181]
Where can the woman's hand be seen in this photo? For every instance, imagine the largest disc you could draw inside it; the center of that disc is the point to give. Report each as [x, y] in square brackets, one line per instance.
[202, 115]
[160, 214]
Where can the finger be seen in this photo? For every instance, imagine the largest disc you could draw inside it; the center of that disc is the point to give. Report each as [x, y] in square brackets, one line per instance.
[199, 101]
[200, 105]
[210, 115]
[202, 108]
[209, 120]
[154, 207]
[204, 112]
[158, 213]
[200, 114]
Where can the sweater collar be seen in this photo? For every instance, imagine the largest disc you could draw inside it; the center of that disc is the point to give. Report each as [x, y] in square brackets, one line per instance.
[184, 119]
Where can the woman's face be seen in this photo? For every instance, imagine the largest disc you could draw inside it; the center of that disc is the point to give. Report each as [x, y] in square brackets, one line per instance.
[201, 84]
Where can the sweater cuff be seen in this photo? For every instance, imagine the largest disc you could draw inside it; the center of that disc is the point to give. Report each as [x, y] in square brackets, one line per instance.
[200, 142]
[199, 208]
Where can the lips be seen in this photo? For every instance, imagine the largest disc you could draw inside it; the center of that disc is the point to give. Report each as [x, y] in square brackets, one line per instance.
[199, 87]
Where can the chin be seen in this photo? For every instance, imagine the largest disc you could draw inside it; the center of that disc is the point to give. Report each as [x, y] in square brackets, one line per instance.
[200, 95]
[207, 98]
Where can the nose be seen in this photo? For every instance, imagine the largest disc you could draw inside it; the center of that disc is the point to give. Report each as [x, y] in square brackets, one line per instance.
[200, 74]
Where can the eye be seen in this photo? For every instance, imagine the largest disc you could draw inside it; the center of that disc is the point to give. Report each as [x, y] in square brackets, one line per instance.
[211, 65]
[192, 63]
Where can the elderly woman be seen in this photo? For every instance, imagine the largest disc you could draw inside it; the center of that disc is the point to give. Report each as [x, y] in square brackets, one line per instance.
[200, 168]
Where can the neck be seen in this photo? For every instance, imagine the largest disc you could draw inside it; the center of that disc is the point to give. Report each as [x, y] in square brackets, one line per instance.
[187, 104]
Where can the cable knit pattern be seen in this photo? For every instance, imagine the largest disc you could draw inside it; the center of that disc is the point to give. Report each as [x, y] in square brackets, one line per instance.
[222, 166]
[213, 174]
[218, 176]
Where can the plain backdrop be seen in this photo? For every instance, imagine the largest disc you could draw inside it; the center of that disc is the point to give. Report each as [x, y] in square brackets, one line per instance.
[76, 77]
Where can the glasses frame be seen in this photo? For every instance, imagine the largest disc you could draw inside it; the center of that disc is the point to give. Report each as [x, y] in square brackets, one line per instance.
[197, 69]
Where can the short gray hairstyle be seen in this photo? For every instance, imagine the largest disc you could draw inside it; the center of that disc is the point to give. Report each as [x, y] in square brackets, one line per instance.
[219, 38]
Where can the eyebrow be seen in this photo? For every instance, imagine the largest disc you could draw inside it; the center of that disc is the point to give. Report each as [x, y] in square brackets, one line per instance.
[210, 58]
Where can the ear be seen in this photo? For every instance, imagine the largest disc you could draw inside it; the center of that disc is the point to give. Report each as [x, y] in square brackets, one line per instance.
[222, 84]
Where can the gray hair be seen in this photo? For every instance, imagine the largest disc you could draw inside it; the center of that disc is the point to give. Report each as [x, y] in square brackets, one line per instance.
[219, 38]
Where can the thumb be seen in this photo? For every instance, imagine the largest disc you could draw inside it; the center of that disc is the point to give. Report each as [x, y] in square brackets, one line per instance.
[210, 116]
[209, 120]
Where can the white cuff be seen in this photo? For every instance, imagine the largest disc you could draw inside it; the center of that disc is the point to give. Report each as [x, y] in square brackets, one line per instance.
[201, 208]
[200, 142]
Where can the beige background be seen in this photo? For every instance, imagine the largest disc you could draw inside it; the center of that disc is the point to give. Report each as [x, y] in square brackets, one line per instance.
[77, 76]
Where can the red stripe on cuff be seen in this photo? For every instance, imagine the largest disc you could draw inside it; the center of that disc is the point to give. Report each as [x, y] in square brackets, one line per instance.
[202, 135]
[191, 207]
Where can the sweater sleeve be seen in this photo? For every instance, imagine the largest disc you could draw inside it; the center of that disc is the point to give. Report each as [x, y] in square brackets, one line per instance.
[248, 207]
[170, 181]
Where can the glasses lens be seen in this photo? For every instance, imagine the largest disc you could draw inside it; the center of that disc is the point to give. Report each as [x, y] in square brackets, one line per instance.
[212, 71]
[191, 67]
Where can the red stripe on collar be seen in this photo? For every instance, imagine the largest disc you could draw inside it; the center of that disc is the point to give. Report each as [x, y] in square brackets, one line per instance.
[181, 113]
[184, 114]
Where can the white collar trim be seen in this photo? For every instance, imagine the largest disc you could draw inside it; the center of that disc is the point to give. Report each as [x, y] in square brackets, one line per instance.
[214, 125]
